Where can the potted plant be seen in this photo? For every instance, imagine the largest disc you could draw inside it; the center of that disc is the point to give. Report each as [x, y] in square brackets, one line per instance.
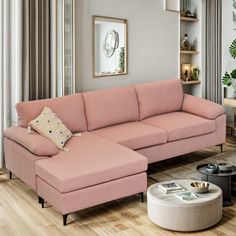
[195, 73]
[230, 79]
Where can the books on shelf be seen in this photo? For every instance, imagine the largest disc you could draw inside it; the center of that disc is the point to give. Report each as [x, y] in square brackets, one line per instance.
[187, 196]
[170, 187]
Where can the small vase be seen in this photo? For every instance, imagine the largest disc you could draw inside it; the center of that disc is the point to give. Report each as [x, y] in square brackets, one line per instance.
[234, 95]
[185, 44]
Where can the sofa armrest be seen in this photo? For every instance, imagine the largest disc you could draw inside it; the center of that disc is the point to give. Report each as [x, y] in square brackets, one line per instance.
[35, 143]
[202, 107]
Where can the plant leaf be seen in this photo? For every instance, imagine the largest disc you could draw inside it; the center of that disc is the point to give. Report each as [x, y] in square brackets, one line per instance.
[233, 74]
[232, 49]
[227, 79]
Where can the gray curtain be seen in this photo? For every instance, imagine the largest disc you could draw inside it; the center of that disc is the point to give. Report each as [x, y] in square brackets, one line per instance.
[213, 85]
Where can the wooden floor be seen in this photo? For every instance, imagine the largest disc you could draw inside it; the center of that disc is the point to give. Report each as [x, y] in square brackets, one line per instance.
[20, 213]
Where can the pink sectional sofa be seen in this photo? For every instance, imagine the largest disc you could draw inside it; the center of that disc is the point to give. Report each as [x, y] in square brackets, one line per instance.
[123, 129]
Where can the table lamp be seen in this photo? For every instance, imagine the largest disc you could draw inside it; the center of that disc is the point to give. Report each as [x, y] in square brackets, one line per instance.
[186, 71]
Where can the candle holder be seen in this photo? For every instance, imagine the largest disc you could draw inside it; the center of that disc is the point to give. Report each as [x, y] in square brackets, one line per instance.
[186, 71]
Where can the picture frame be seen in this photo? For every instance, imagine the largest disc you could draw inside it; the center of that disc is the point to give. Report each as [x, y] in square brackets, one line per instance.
[172, 5]
[110, 46]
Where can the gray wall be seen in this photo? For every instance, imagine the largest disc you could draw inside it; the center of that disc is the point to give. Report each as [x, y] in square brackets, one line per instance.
[152, 47]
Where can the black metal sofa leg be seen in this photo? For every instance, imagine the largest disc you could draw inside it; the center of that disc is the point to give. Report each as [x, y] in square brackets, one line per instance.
[142, 197]
[65, 219]
[10, 175]
[221, 148]
[41, 201]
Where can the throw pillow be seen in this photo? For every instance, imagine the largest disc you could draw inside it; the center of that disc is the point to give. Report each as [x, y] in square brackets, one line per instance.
[50, 126]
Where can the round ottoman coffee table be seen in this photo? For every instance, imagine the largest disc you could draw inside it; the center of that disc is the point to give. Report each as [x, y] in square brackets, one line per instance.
[170, 212]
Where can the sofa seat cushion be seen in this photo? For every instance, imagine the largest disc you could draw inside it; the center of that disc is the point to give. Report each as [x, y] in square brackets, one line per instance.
[92, 160]
[182, 125]
[134, 135]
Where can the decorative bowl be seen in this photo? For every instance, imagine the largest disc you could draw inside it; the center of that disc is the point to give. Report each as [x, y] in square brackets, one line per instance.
[225, 166]
[212, 168]
[200, 187]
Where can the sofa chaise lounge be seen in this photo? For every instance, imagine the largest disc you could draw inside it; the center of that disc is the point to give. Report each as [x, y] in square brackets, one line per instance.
[123, 130]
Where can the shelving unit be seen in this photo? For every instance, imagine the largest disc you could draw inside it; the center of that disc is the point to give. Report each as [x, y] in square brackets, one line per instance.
[193, 28]
[189, 52]
[188, 19]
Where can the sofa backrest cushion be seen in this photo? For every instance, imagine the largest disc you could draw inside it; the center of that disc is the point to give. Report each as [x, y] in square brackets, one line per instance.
[159, 97]
[70, 109]
[110, 106]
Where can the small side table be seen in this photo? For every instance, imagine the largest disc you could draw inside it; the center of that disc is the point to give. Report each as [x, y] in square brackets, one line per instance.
[230, 108]
[221, 179]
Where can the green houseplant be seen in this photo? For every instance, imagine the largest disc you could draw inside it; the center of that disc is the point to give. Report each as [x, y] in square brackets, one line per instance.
[229, 79]
[195, 73]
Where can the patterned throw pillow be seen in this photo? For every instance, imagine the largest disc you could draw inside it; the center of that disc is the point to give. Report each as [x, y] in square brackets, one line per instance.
[50, 126]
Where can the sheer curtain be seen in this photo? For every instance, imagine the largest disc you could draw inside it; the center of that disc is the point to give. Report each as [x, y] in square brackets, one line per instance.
[24, 57]
[10, 64]
[62, 33]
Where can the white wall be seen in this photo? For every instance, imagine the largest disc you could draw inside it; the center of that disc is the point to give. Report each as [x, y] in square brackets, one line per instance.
[228, 35]
[152, 42]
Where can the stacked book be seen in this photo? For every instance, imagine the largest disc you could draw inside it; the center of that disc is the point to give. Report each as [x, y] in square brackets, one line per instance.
[179, 191]
[170, 188]
[187, 196]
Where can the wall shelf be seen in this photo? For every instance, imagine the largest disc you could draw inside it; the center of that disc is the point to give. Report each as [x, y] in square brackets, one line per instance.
[183, 18]
[191, 82]
[193, 27]
[189, 52]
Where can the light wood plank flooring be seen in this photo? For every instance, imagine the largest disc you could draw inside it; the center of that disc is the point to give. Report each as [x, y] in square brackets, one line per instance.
[20, 213]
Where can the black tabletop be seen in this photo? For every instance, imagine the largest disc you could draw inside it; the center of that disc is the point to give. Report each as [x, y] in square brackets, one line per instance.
[202, 169]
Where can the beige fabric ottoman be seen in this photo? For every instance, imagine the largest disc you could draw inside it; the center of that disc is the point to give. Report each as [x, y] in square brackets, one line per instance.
[170, 212]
